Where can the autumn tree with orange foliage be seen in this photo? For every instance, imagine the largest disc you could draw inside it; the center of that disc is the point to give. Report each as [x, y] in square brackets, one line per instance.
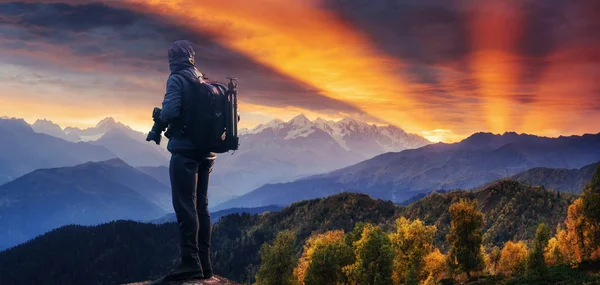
[436, 266]
[513, 258]
[576, 242]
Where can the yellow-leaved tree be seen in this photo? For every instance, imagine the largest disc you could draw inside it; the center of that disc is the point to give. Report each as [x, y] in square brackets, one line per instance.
[552, 253]
[323, 258]
[411, 242]
[493, 259]
[513, 258]
[374, 258]
[436, 267]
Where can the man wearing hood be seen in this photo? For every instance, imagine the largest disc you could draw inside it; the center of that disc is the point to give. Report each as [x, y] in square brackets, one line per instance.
[189, 169]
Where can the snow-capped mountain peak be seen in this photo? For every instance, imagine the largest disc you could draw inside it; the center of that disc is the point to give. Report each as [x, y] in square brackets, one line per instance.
[106, 122]
[350, 134]
[95, 133]
[300, 120]
[48, 127]
[275, 124]
[109, 123]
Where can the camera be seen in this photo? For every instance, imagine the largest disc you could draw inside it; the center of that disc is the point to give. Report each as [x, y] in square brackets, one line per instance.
[158, 128]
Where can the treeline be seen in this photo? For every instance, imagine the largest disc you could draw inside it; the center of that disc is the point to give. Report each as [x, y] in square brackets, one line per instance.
[368, 255]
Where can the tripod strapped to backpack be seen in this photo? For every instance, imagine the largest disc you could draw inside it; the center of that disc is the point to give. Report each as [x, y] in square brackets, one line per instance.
[232, 116]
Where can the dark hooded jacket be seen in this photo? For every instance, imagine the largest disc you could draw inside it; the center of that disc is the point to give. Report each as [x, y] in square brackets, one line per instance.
[181, 61]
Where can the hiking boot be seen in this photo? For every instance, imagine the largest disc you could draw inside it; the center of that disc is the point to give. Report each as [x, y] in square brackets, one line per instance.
[180, 273]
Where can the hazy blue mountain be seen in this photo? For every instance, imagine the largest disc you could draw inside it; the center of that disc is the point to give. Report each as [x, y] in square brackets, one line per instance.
[87, 194]
[24, 150]
[133, 148]
[560, 179]
[48, 127]
[477, 160]
[160, 173]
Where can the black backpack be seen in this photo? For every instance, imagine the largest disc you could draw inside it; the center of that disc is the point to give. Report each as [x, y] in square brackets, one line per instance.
[209, 124]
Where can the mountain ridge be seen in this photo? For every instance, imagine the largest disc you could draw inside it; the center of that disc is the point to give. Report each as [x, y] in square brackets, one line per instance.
[398, 176]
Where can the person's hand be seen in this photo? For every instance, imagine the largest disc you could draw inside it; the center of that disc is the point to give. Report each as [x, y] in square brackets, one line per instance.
[239, 118]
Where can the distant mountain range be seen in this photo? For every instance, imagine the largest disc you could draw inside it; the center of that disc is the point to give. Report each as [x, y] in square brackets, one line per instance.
[87, 194]
[477, 160]
[24, 150]
[124, 142]
[91, 255]
[281, 151]
[274, 152]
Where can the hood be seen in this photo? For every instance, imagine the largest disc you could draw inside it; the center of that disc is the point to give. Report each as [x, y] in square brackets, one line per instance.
[181, 55]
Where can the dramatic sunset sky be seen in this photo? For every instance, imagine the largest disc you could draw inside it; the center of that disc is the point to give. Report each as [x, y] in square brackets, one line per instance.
[443, 69]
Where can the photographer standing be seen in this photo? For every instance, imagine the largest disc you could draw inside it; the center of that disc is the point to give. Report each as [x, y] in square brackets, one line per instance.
[189, 168]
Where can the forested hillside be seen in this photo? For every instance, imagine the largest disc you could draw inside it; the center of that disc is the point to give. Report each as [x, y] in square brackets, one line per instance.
[511, 211]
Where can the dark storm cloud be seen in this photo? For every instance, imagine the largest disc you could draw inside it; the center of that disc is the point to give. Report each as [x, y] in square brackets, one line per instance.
[121, 38]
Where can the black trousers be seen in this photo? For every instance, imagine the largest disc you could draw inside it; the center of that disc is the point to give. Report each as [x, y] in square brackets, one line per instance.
[189, 187]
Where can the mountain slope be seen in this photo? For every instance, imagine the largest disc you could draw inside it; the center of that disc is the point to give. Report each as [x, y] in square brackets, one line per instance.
[86, 194]
[509, 210]
[24, 150]
[132, 148]
[559, 179]
[475, 161]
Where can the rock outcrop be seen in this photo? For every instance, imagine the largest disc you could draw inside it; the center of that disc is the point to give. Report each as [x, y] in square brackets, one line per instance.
[217, 280]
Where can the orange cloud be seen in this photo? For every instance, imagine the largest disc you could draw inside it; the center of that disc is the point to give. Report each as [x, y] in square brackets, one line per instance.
[307, 44]
[494, 29]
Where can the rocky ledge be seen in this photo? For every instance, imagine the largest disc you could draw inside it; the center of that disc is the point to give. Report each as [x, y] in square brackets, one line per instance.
[213, 281]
